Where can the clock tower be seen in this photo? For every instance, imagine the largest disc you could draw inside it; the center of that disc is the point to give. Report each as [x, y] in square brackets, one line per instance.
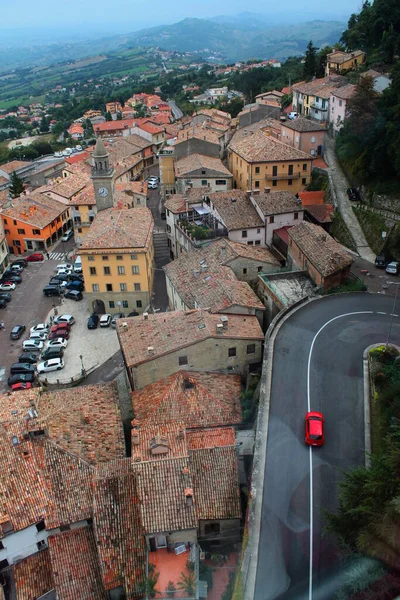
[103, 177]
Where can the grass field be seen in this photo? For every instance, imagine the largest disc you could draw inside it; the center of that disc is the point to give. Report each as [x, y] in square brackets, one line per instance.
[22, 100]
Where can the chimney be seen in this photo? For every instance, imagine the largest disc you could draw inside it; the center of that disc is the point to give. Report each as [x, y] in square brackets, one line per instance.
[224, 321]
[135, 436]
[267, 190]
[189, 496]
[223, 251]
[196, 273]
[181, 434]
[219, 327]
[150, 350]
[256, 192]
[204, 268]
[145, 316]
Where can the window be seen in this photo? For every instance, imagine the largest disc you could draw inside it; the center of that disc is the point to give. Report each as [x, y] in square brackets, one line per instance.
[290, 170]
[123, 287]
[304, 166]
[22, 231]
[257, 170]
[133, 256]
[340, 103]
[250, 243]
[244, 233]
[231, 351]
[40, 526]
[92, 270]
[111, 304]
[274, 183]
[104, 257]
[76, 207]
[290, 182]
[125, 304]
[90, 257]
[119, 257]
[204, 182]
[79, 229]
[107, 270]
[16, 243]
[14, 222]
[220, 182]
[183, 360]
[251, 349]
[211, 528]
[5, 221]
[109, 287]
[259, 269]
[274, 171]
[296, 216]
[257, 243]
[304, 181]
[258, 230]
[121, 270]
[135, 270]
[7, 231]
[257, 184]
[244, 271]
[271, 219]
[138, 304]
[36, 231]
[1, 546]
[95, 287]
[137, 287]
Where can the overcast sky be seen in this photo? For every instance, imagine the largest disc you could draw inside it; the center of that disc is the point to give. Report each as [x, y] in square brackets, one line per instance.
[130, 15]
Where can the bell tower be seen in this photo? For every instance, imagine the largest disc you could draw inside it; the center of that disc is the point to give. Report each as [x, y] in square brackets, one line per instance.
[102, 177]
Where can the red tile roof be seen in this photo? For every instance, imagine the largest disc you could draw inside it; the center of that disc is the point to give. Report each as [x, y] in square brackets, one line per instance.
[323, 213]
[33, 576]
[76, 158]
[151, 128]
[308, 198]
[210, 438]
[158, 441]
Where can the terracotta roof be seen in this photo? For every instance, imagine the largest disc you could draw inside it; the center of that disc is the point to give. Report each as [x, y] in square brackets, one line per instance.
[321, 212]
[77, 158]
[68, 480]
[160, 119]
[322, 88]
[117, 527]
[120, 148]
[14, 165]
[217, 287]
[256, 253]
[36, 209]
[120, 229]
[33, 576]
[214, 113]
[109, 126]
[340, 57]
[198, 132]
[171, 331]
[126, 164]
[255, 145]
[4, 180]
[85, 197]
[275, 203]
[302, 124]
[69, 186]
[85, 421]
[345, 92]
[151, 128]
[168, 440]
[235, 209]
[138, 142]
[216, 483]
[308, 198]
[213, 399]
[320, 249]
[196, 162]
[176, 203]
[75, 565]
[211, 438]
[371, 73]
[163, 505]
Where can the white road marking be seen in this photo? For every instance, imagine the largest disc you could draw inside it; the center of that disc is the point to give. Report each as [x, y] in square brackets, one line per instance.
[380, 313]
[362, 312]
[393, 315]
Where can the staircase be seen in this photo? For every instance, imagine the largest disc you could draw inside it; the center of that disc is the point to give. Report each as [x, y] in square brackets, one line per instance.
[161, 249]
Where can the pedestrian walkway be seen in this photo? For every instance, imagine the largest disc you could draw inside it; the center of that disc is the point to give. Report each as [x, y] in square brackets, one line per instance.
[57, 256]
[340, 185]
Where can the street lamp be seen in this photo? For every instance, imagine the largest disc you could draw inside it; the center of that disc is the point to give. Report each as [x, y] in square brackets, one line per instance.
[83, 371]
[393, 309]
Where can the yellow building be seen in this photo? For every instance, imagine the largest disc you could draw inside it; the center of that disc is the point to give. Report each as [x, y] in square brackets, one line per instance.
[167, 172]
[258, 160]
[338, 61]
[118, 261]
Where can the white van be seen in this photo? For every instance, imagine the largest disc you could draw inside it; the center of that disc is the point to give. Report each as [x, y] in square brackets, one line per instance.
[78, 265]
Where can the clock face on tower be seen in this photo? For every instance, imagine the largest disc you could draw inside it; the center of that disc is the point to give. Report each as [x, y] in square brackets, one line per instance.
[103, 192]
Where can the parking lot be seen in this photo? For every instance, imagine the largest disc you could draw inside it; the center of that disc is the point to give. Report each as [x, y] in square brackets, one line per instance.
[29, 306]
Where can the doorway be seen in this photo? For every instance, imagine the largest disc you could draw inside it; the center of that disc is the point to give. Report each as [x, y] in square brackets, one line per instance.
[99, 307]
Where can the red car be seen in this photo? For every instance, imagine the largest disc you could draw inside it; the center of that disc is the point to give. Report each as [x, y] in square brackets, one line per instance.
[24, 385]
[36, 257]
[314, 423]
[59, 333]
[60, 327]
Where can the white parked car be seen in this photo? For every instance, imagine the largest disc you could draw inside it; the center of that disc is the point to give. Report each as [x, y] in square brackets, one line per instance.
[7, 287]
[40, 327]
[33, 345]
[79, 148]
[64, 319]
[38, 335]
[63, 266]
[53, 364]
[105, 320]
[64, 271]
[57, 343]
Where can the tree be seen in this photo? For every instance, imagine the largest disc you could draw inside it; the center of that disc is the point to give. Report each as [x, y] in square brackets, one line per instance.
[16, 185]
[44, 126]
[88, 127]
[310, 64]
[321, 60]
[108, 116]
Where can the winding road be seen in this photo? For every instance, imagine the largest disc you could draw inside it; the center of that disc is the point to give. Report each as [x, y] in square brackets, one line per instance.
[318, 365]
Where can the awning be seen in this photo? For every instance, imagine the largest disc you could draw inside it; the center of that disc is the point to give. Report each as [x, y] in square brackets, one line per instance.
[202, 210]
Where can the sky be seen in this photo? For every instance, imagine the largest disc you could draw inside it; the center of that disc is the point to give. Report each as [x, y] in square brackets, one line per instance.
[99, 16]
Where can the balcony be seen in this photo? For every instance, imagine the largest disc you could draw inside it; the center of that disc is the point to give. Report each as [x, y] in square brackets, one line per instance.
[282, 176]
[319, 107]
[199, 232]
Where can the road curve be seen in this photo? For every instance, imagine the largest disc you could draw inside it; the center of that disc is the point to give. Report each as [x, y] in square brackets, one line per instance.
[338, 328]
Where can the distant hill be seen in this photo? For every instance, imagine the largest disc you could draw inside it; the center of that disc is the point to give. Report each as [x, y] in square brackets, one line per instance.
[238, 37]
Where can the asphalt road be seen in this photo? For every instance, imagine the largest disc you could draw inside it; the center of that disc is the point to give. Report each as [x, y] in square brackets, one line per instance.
[176, 111]
[335, 389]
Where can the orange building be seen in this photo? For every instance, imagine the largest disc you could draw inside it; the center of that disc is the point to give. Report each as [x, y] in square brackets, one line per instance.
[34, 222]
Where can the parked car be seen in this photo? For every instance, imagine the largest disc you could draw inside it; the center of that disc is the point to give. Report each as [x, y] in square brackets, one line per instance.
[134, 313]
[93, 321]
[314, 425]
[53, 364]
[57, 282]
[64, 319]
[67, 235]
[293, 115]
[59, 333]
[23, 385]
[52, 290]
[17, 331]
[21, 378]
[5, 296]
[40, 327]
[60, 326]
[22, 368]
[38, 335]
[152, 185]
[75, 285]
[61, 277]
[381, 261]
[115, 317]
[56, 352]
[16, 267]
[74, 295]
[105, 320]
[64, 271]
[28, 357]
[3, 303]
[393, 268]
[57, 343]
[64, 266]
[7, 286]
[11, 278]
[78, 265]
[20, 261]
[76, 277]
[35, 257]
[353, 193]
[32, 345]
[163, 214]
[153, 178]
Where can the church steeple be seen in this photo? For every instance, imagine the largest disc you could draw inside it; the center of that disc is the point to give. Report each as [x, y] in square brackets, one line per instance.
[102, 177]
